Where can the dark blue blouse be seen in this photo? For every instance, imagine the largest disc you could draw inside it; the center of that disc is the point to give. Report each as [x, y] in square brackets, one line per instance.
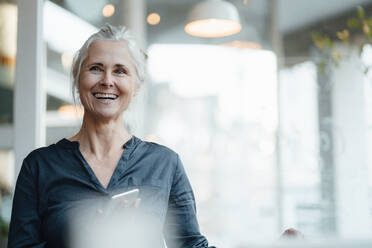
[55, 182]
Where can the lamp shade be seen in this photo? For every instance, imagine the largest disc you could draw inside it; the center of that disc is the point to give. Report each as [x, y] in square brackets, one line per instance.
[213, 18]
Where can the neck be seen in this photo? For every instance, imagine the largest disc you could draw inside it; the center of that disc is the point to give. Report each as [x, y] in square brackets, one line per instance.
[101, 137]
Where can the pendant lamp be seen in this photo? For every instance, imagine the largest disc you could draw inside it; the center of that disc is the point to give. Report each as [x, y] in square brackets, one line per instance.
[213, 18]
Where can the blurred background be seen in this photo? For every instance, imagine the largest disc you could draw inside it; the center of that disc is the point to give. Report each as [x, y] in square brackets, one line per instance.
[273, 122]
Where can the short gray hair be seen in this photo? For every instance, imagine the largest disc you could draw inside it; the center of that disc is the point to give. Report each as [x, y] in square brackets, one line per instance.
[109, 32]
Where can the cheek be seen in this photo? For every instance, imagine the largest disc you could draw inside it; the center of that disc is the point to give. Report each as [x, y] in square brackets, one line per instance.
[84, 89]
[83, 95]
[127, 88]
[88, 81]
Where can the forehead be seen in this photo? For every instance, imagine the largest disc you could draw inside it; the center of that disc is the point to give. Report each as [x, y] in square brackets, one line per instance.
[109, 51]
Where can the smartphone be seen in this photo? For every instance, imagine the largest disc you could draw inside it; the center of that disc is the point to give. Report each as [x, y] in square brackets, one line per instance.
[116, 201]
[129, 196]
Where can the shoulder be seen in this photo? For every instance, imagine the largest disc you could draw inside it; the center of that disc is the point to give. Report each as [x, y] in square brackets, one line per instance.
[40, 152]
[159, 152]
[160, 149]
[41, 156]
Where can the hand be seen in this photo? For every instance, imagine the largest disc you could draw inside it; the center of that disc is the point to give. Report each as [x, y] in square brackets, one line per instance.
[123, 205]
[136, 203]
[292, 233]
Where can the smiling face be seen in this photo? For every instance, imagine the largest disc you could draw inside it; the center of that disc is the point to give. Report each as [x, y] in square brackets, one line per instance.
[107, 79]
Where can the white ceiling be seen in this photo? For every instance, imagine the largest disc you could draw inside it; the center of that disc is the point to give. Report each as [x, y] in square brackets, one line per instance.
[296, 14]
[293, 14]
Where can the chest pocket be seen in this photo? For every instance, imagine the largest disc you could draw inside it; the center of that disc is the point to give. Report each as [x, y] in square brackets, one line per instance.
[152, 192]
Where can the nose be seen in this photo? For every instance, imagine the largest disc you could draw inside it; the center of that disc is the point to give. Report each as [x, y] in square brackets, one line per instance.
[107, 80]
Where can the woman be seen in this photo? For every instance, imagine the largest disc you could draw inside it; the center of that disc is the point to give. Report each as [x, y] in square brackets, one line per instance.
[69, 183]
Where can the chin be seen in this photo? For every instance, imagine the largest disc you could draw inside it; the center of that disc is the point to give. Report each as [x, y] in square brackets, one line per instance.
[106, 116]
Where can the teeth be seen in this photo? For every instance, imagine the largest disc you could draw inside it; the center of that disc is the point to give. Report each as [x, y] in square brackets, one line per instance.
[105, 95]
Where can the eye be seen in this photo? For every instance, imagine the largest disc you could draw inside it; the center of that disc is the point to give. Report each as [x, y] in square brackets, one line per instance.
[95, 68]
[121, 71]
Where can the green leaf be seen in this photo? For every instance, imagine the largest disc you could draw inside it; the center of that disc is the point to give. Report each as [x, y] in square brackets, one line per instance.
[321, 66]
[366, 69]
[369, 22]
[343, 35]
[335, 59]
[336, 56]
[322, 41]
[361, 12]
[315, 36]
[366, 30]
[353, 23]
[361, 48]
[328, 42]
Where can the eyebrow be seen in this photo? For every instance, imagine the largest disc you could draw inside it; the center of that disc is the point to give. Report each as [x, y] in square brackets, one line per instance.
[95, 63]
[116, 65]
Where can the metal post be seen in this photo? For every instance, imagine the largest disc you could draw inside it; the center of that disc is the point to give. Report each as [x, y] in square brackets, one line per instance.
[326, 150]
[276, 42]
[134, 17]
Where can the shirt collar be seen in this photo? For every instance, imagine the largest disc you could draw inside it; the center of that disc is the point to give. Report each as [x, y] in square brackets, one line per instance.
[65, 143]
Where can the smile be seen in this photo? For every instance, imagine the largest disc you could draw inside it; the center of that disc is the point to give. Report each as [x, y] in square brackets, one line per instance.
[105, 96]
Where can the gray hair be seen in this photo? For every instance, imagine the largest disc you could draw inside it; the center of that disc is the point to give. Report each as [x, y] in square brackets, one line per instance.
[109, 32]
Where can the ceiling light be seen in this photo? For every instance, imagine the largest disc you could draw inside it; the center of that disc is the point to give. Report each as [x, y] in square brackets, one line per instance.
[213, 18]
[243, 44]
[71, 112]
[66, 60]
[8, 32]
[153, 18]
[108, 10]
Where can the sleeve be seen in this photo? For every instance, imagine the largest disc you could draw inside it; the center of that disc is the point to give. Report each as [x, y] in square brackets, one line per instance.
[25, 223]
[181, 225]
